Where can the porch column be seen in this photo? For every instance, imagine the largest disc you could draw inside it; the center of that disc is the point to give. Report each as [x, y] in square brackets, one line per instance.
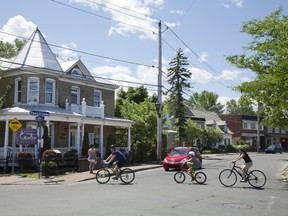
[6, 138]
[78, 139]
[82, 132]
[101, 142]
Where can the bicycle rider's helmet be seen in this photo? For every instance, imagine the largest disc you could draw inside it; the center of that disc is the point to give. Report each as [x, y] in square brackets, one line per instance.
[112, 147]
[192, 153]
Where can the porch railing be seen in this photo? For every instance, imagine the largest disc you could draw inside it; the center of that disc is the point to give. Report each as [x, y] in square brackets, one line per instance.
[83, 109]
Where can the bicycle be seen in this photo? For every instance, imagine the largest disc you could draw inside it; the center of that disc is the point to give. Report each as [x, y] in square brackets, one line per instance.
[228, 177]
[199, 177]
[104, 174]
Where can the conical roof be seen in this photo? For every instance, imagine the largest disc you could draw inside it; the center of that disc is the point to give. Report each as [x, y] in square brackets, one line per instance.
[36, 53]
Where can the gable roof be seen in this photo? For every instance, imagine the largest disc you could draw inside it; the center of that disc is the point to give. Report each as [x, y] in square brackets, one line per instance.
[36, 53]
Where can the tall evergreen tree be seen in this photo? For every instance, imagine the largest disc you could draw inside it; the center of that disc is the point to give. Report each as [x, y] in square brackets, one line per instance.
[178, 78]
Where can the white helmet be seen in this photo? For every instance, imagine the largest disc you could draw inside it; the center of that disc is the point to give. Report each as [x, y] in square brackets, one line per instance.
[192, 153]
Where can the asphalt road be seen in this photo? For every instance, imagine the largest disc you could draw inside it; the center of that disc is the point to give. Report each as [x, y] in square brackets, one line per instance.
[154, 192]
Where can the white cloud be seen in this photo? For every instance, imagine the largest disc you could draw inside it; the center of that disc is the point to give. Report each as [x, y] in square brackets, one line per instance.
[230, 75]
[200, 76]
[110, 71]
[176, 12]
[224, 100]
[18, 26]
[66, 53]
[236, 3]
[204, 57]
[131, 16]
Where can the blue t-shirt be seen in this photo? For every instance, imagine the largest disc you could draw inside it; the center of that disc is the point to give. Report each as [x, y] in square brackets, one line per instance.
[119, 156]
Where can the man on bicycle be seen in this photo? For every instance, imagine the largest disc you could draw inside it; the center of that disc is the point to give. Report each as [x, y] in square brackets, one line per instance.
[193, 163]
[248, 162]
[117, 158]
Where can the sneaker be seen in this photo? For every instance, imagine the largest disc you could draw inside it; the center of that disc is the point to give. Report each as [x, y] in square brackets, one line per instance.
[243, 180]
[91, 171]
[115, 178]
[192, 179]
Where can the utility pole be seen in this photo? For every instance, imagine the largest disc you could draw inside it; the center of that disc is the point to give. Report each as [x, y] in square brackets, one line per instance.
[159, 101]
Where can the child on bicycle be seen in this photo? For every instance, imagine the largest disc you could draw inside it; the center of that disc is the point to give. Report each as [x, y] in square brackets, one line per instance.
[248, 162]
[116, 158]
[193, 163]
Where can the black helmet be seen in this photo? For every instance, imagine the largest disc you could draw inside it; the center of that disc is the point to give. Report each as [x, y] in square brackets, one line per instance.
[112, 146]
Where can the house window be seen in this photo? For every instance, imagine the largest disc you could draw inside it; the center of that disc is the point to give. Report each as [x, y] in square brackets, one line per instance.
[50, 91]
[75, 95]
[97, 98]
[17, 96]
[97, 136]
[253, 126]
[33, 90]
[277, 130]
[245, 125]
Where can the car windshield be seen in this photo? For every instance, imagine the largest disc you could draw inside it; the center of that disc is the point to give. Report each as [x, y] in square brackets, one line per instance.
[271, 147]
[177, 152]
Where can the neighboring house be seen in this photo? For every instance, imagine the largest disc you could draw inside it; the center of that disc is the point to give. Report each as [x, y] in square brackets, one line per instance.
[210, 119]
[245, 127]
[75, 100]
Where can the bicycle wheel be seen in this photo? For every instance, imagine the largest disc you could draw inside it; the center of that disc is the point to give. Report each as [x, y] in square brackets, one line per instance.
[257, 178]
[127, 175]
[227, 177]
[200, 177]
[103, 176]
[179, 177]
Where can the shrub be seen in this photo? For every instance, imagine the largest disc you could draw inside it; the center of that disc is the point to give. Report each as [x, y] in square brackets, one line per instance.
[48, 168]
[52, 155]
[25, 160]
[70, 155]
[222, 148]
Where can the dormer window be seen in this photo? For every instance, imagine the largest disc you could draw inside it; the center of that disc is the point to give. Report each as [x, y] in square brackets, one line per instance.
[76, 72]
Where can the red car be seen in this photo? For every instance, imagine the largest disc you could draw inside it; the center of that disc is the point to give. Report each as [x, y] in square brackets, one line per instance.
[174, 158]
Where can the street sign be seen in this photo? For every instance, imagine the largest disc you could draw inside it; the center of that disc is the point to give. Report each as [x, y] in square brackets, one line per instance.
[39, 113]
[15, 125]
[39, 118]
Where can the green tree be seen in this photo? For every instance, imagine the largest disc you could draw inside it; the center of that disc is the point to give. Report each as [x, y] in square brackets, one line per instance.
[143, 132]
[241, 107]
[8, 50]
[193, 132]
[267, 57]
[178, 78]
[205, 101]
[211, 136]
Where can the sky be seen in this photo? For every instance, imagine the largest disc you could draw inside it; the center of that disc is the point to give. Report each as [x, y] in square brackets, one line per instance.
[119, 39]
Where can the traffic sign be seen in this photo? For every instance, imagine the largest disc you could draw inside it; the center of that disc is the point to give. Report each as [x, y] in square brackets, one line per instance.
[15, 125]
[39, 113]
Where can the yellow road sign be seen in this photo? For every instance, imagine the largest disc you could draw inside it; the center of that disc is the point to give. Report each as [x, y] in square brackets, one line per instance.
[15, 125]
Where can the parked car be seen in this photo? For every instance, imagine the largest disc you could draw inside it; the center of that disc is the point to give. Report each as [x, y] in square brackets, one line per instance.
[177, 154]
[274, 149]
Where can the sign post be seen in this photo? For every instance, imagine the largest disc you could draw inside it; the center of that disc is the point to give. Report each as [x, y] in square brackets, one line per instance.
[40, 116]
[14, 125]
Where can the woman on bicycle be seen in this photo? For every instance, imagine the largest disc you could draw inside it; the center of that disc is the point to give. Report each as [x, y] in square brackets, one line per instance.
[248, 162]
[193, 163]
[116, 158]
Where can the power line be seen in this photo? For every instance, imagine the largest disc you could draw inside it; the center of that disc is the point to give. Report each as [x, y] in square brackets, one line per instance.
[82, 52]
[100, 16]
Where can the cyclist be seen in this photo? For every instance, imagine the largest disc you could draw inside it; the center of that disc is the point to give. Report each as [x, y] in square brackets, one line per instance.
[193, 163]
[248, 163]
[116, 158]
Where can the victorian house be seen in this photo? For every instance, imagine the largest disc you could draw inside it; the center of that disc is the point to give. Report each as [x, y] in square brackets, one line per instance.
[72, 99]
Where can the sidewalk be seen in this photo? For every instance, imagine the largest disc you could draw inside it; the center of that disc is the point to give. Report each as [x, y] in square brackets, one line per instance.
[63, 179]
